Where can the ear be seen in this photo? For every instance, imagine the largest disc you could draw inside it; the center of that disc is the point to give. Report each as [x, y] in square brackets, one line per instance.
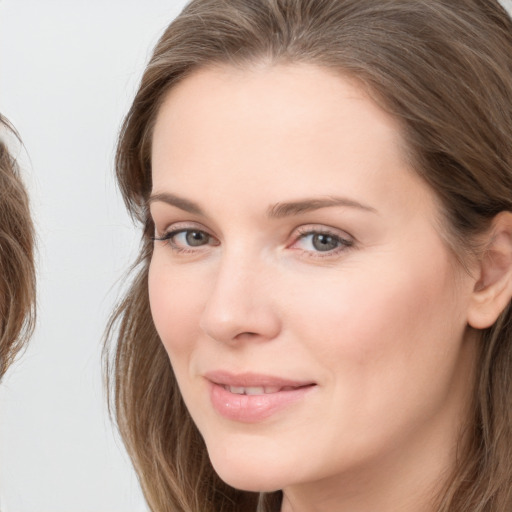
[493, 288]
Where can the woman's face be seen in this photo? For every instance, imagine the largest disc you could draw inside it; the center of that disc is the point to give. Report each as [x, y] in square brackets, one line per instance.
[313, 315]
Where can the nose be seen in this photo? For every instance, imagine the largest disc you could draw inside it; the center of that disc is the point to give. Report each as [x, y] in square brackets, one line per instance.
[240, 305]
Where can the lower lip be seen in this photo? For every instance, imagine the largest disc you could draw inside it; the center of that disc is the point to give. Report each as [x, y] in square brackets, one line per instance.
[253, 408]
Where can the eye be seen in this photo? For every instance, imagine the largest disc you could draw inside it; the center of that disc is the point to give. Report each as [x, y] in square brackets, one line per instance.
[187, 239]
[320, 241]
[192, 238]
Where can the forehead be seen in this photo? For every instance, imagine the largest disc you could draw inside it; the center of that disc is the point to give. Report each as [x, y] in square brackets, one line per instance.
[269, 108]
[283, 94]
[294, 130]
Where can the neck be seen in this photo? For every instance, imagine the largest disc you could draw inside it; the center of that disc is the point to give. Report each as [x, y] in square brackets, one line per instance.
[396, 486]
[408, 479]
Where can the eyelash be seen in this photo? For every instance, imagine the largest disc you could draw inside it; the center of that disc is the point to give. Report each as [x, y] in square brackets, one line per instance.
[168, 238]
[343, 243]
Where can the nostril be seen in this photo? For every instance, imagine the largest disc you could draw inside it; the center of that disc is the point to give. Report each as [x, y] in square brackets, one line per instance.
[246, 334]
[230, 316]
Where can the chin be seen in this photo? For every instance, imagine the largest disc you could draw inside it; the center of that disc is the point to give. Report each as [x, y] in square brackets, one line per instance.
[248, 472]
[249, 480]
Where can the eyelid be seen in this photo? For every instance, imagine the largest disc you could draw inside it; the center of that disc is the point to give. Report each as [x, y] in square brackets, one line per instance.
[308, 229]
[173, 230]
[346, 240]
[179, 226]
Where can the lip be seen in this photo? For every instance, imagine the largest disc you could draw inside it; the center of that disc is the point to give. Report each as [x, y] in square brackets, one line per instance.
[253, 408]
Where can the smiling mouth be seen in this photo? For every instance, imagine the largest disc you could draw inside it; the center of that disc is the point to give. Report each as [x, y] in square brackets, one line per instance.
[261, 390]
[250, 383]
[254, 398]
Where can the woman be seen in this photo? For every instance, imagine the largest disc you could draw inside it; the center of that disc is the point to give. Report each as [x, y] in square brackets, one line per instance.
[320, 318]
[17, 275]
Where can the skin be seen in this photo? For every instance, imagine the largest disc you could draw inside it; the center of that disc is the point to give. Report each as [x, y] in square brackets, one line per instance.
[379, 323]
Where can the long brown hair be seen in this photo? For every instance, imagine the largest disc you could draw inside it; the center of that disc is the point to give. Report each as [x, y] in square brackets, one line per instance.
[17, 272]
[443, 68]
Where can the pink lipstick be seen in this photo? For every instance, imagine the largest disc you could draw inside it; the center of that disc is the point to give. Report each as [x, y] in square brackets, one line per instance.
[250, 398]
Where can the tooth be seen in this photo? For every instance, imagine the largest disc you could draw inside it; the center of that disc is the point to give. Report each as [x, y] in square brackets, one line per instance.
[272, 389]
[237, 390]
[254, 391]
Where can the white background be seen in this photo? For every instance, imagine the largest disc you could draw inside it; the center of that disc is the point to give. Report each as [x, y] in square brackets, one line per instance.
[68, 70]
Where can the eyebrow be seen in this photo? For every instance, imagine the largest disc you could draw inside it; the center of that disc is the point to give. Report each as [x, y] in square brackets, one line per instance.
[281, 210]
[179, 202]
[276, 211]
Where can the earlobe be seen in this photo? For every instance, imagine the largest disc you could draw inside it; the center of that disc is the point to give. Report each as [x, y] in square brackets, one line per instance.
[493, 288]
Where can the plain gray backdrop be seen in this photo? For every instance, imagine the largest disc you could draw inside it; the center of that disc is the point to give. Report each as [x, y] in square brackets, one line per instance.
[68, 71]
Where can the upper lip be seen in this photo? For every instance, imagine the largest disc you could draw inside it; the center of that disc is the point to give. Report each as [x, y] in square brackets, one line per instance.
[249, 379]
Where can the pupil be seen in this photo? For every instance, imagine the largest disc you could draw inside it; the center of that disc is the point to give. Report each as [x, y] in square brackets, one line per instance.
[195, 238]
[324, 242]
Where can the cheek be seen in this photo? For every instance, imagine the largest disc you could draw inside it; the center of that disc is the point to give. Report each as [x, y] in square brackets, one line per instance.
[176, 304]
[398, 318]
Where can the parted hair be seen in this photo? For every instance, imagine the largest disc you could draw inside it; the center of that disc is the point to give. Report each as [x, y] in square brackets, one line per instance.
[443, 69]
[17, 272]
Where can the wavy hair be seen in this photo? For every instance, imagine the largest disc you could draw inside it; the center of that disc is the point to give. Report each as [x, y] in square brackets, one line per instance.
[443, 68]
[17, 271]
